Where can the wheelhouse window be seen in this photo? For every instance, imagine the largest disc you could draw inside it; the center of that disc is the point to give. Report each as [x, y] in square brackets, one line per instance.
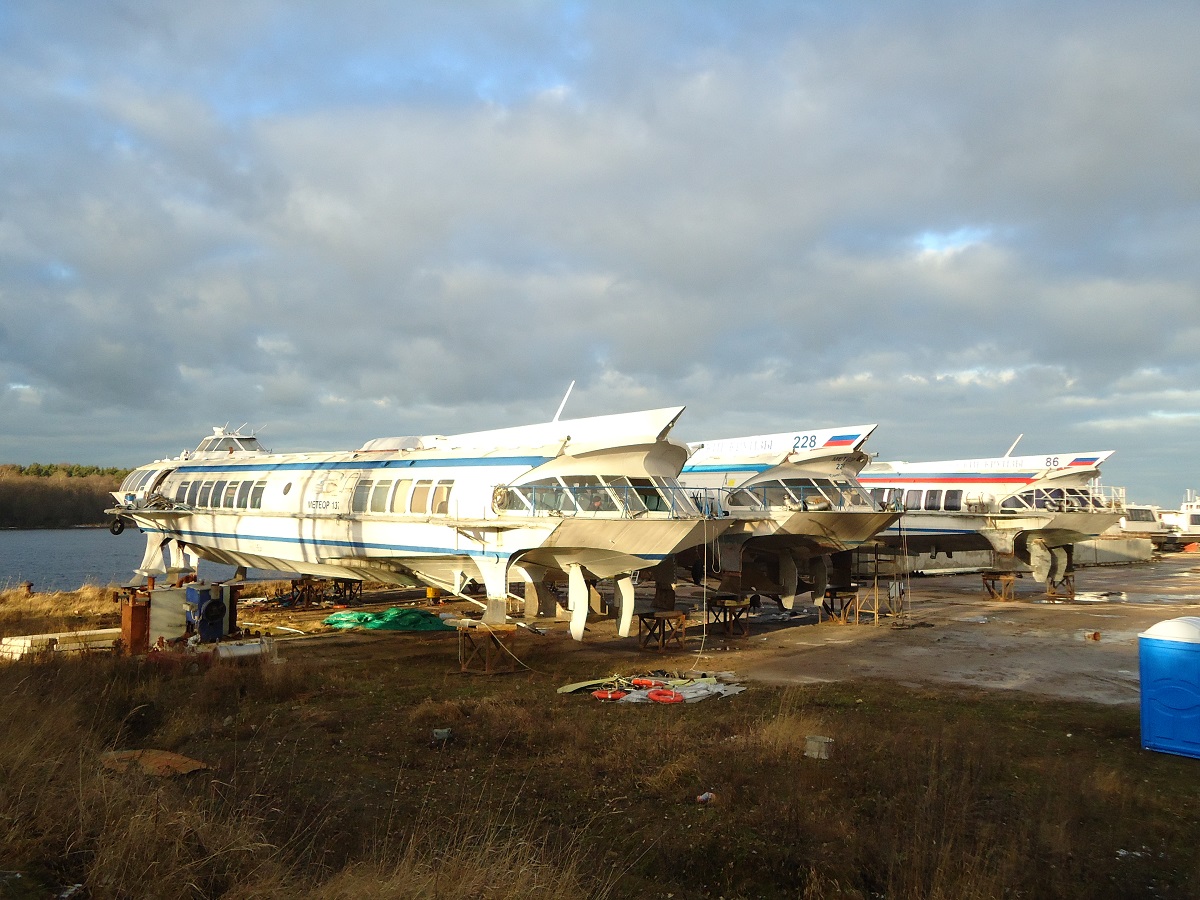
[1051, 499]
[591, 494]
[543, 496]
[621, 493]
[552, 495]
[743, 499]
[567, 502]
[226, 444]
[137, 480]
[882, 498]
[576, 494]
[646, 495]
[773, 493]
[804, 490]
[512, 500]
[1079, 498]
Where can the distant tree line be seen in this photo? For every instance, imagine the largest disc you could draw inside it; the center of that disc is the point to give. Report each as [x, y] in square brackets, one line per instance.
[58, 495]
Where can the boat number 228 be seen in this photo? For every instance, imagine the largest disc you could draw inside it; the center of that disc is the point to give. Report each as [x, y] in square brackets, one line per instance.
[804, 442]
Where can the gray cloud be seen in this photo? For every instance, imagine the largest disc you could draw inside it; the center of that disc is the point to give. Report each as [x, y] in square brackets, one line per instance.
[961, 222]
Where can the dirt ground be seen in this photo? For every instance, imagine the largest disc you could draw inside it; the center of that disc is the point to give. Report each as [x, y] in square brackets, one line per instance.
[949, 632]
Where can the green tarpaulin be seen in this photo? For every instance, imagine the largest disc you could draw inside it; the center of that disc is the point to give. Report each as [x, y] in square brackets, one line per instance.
[394, 619]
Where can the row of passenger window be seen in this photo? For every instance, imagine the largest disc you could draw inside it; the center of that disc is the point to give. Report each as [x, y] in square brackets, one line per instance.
[424, 496]
[246, 494]
[933, 501]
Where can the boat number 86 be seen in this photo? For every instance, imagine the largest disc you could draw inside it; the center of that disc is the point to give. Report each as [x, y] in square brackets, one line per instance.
[1051, 462]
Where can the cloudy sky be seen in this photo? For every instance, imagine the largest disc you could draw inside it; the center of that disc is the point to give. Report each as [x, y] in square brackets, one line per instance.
[342, 221]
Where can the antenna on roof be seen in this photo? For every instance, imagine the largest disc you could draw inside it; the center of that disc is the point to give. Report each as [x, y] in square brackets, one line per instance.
[1014, 444]
[564, 402]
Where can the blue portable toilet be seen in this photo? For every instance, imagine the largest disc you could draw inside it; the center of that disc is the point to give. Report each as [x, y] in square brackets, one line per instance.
[1169, 666]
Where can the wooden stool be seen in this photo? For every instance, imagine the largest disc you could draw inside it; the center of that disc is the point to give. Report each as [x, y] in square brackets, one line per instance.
[662, 627]
[485, 648]
[838, 604]
[730, 613]
[1007, 582]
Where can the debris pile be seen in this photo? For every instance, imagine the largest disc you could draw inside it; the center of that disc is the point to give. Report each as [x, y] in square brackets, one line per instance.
[658, 687]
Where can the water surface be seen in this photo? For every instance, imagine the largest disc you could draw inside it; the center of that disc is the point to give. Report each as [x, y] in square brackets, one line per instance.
[64, 559]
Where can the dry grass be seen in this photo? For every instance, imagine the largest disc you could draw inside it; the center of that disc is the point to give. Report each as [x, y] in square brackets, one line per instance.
[91, 606]
[324, 784]
[479, 851]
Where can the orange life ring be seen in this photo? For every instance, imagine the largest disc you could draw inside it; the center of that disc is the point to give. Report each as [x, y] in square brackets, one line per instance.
[665, 695]
[608, 695]
[646, 683]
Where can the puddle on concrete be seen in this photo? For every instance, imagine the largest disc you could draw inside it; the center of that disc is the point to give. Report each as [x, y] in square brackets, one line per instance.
[1134, 597]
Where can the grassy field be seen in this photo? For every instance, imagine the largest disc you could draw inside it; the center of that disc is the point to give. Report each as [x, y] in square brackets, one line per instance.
[324, 784]
[91, 606]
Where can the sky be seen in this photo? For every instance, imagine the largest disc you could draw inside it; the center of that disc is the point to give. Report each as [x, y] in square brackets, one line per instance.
[335, 222]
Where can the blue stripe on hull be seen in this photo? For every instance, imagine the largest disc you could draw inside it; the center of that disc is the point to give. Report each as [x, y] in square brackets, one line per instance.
[400, 550]
[527, 461]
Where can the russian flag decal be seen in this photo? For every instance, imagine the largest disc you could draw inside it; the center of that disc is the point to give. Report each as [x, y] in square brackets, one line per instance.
[1084, 461]
[841, 440]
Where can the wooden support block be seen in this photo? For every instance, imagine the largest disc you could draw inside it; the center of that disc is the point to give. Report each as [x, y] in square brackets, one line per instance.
[485, 649]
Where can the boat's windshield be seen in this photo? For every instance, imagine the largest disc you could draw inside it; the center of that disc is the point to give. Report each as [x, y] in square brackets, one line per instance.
[592, 494]
[229, 443]
[1054, 500]
[812, 494]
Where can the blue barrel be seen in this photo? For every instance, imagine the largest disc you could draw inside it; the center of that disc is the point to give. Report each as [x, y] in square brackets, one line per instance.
[1169, 666]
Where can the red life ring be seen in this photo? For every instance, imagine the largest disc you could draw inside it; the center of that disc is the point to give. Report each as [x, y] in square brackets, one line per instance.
[665, 695]
[608, 695]
[646, 683]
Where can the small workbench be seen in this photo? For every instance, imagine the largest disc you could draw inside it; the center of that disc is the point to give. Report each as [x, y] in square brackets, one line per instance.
[839, 603]
[661, 627]
[730, 614]
[485, 649]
